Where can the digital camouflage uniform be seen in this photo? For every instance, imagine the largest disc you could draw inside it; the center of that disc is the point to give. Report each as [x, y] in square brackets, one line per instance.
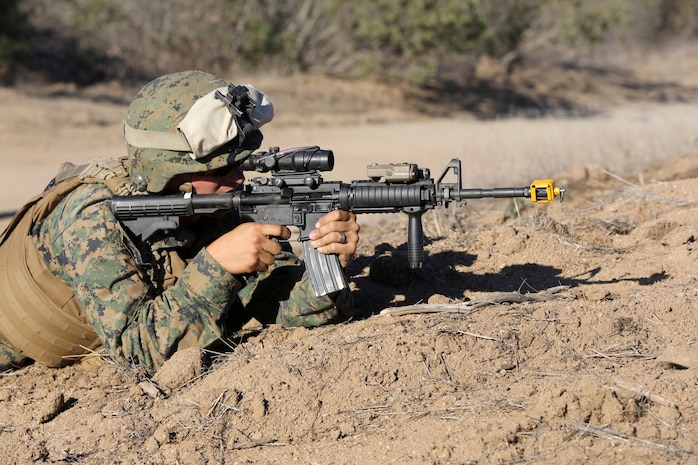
[120, 284]
[145, 301]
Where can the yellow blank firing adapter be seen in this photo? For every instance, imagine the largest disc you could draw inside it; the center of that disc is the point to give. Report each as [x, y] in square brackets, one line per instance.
[544, 191]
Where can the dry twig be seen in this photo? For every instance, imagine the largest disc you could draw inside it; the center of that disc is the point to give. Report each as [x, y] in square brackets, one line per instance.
[607, 433]
[639, 392]
[254, 443]
[557, 292]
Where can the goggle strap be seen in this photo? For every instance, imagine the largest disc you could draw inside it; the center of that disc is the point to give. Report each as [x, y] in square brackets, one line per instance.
[144, 139]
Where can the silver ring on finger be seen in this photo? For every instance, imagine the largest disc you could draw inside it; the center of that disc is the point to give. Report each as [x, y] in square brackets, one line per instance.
[342, 237]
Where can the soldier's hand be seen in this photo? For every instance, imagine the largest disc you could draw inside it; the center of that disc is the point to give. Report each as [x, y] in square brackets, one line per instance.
[337, 232]
[248, 247]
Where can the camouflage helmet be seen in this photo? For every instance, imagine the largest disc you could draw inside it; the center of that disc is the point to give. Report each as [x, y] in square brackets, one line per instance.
[178, 124]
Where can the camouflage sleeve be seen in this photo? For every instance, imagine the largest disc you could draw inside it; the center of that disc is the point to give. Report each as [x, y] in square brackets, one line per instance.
[85, 246]
[284, 295]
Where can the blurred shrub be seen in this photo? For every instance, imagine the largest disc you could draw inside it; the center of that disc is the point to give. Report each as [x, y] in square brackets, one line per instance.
[12, 47]
[573, 28]
[88, 40]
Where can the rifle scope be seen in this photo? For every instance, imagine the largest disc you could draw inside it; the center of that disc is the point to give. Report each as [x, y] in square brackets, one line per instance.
[301, 159]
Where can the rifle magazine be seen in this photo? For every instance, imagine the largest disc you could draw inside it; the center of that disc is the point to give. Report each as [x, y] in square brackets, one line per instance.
[325, 272]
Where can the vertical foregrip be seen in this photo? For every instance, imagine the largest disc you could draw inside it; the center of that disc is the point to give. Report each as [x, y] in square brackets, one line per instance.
[325, 272]
[415, 239]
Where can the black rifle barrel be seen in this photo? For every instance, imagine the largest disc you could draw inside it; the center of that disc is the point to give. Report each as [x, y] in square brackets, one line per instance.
[500, 192]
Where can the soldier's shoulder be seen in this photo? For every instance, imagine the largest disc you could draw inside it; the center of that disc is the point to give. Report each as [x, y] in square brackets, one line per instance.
[87, 202]
[87, 195]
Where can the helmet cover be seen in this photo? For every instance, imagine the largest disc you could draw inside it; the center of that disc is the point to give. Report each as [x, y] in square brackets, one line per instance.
[164, 140]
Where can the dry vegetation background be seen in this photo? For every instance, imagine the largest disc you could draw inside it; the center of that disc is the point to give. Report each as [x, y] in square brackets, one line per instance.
[534, 335]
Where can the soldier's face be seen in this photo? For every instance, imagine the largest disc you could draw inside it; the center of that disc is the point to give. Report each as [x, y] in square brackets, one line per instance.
[218, 182]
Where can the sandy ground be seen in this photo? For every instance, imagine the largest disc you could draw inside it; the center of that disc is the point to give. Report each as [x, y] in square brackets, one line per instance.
[535, 334]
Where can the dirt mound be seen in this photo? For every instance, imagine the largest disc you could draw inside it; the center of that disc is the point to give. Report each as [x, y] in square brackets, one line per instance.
[601, 370]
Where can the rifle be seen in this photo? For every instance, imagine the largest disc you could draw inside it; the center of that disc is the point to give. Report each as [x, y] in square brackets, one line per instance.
[296, 195]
